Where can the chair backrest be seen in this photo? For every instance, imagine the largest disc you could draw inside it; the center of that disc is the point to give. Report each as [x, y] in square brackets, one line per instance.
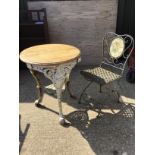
[116, 50]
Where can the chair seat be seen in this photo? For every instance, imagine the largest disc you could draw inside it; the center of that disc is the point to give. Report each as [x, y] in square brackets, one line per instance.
[100, 75]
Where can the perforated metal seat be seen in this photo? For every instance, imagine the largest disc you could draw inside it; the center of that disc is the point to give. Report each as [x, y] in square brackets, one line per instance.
[100, 75]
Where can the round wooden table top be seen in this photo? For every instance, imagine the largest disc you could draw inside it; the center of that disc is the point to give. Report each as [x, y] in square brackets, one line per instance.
[49, 54]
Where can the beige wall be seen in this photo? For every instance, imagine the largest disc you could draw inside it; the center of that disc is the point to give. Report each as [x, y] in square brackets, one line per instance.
[80, 23]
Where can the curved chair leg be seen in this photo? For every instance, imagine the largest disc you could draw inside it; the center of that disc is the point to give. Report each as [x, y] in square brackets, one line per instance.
[116, 94]
[100, 88]
[84, 91]
[115, 91]
[39, 88]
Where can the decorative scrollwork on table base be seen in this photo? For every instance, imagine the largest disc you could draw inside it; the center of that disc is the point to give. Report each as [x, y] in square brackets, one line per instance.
[59, 75]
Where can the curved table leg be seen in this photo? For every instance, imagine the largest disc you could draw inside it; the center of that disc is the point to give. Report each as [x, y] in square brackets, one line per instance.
[58, 85]
[67, 83]
[61, 117]
[39, 88]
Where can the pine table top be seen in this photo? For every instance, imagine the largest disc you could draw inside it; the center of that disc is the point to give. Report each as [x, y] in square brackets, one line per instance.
[49, 54]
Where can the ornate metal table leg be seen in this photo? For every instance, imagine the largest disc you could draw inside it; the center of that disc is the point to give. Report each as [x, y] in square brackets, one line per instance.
[67, 84]
[59, 75]
[39, 88]
[59, 95]
[58, 84]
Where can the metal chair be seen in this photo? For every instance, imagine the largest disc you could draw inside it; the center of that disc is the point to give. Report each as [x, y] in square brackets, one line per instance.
[116, 51]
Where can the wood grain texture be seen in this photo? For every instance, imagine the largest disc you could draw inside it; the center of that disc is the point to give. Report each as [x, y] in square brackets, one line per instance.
[50, 54]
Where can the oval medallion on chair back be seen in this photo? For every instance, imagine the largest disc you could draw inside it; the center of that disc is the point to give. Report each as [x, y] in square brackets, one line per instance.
[117, 49]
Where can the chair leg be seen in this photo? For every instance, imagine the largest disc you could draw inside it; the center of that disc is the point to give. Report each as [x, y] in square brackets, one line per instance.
[84, 91]
[116, 94]
[100, 88]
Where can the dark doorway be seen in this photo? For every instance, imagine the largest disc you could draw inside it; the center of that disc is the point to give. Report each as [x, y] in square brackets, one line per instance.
[126, 17]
